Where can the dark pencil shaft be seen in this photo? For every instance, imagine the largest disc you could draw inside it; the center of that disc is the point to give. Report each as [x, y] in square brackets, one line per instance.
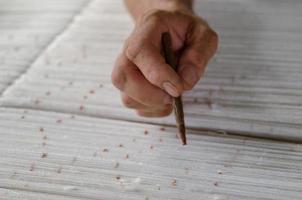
[177, 102]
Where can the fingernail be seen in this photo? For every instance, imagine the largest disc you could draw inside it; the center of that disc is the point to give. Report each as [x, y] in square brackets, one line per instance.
[189, 75]
[168, 100]
[170, 89]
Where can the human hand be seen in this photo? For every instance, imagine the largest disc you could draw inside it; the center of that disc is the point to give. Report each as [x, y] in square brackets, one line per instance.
[146, 82]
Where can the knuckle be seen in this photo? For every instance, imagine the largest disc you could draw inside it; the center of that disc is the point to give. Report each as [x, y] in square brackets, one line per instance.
[154, 77]
[134, 49]
[211, 36]
[118, 78]
[153, 16]
[127, 101]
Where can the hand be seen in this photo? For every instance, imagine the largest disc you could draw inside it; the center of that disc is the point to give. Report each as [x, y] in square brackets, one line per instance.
[146, 82]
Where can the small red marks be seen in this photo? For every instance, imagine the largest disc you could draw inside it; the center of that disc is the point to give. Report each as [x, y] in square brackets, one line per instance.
[37, 102]
[32, 167]
[44, 155]
[146, 132]
[121, 145]
[81, 108]
[105, 150]
[44, 137]
[59, 170]
[118, 177]
[162, 129]
[127, 156]
[151, 147]
[216, 184]
[59, 121]
[48, 93]
[91, 91]
[116, 165]
[41, 129]
[174, 183]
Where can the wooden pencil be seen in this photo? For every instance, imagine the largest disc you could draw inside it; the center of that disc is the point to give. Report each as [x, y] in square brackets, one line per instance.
[177, 102]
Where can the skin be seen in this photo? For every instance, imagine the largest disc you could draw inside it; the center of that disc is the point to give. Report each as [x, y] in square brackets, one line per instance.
[146, 82]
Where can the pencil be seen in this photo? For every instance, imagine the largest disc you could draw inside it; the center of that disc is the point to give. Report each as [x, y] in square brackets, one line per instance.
[177, 101]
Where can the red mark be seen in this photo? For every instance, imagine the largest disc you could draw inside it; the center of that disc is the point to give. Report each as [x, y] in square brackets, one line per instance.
[81, 108]
[127, 156]
[105, 150]
[118, 177]
[41, 129]
[59, 121]
[151, 147]
[162, 129]
[121, 145]
[32, 167]
[59, 171]
[116, 165]
[173, 183]
[216, 184]
[37, 101]
[91, 92]
[146, 132]
[44, 155]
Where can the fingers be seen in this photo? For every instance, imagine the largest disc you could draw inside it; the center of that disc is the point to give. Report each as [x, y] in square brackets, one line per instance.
[143, 110]
[146, 56]
[130, 81]
[160, 113]
[202, 45]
